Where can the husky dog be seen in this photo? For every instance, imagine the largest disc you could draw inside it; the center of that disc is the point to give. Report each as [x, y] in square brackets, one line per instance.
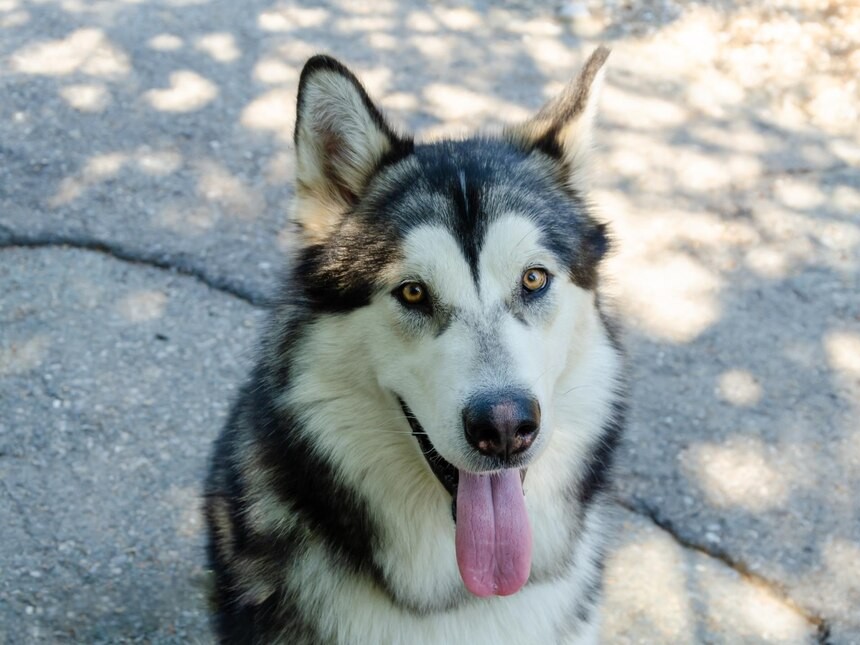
[422, 454]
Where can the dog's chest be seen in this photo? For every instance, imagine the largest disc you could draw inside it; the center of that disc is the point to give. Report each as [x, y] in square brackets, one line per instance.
[540, 614]
[559, 606]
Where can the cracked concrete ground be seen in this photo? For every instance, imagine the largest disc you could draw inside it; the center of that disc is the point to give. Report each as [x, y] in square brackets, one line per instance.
[145, 169]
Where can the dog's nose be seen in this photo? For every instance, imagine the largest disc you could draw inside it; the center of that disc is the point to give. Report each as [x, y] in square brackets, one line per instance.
[501, 424]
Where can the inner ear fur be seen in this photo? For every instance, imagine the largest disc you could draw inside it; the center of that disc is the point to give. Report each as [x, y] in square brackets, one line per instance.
[341, 140]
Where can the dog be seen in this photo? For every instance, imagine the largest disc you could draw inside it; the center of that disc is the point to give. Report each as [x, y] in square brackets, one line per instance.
[423, 452]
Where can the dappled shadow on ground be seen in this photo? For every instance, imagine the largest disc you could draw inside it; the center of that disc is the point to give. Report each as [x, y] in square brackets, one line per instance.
[739, 270]
[162, 130]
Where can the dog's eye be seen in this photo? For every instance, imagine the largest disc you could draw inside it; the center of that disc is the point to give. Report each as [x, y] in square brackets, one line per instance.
[412, 294]
[535, 279]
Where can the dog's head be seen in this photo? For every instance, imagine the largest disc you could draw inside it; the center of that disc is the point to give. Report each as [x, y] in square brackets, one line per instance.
[468, 267]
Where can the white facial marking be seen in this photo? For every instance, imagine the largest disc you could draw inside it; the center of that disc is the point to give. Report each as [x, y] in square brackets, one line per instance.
[491, 338]
[433, 255]
[511, 245]
[349, 367]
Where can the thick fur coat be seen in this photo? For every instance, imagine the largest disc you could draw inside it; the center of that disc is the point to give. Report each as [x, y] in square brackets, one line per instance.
[439, 336]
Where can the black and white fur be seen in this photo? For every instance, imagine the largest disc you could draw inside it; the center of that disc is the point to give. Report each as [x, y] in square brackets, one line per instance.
[326, 522]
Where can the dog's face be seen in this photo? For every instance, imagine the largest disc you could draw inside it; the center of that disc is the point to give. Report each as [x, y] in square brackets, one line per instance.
[470, 318]
[467, 270]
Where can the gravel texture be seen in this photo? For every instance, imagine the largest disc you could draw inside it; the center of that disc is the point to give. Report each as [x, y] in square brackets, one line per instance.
[114, 379]
[153, 136]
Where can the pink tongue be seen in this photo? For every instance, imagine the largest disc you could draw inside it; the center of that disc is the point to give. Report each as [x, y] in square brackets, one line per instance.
[494, 539]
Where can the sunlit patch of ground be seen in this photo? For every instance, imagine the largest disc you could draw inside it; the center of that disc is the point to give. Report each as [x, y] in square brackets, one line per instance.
[659, 592]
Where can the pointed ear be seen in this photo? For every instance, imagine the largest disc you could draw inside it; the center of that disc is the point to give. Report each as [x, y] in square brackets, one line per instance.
[562, 128]
[341, 139]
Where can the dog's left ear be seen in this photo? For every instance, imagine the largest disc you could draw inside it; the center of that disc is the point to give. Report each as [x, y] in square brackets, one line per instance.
[341, 140]
[562, 128]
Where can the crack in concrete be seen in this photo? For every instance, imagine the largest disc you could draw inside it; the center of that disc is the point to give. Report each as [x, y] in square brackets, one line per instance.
[805, 170]
[748, 184]
[164, 262]
[123, 254]
[644, 510]
[22, 512]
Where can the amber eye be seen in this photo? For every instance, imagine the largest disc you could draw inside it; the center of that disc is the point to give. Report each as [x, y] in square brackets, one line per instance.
[413, 293]
[534, 279]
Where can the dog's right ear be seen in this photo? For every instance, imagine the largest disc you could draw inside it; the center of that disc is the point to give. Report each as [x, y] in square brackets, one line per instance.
[341, 140]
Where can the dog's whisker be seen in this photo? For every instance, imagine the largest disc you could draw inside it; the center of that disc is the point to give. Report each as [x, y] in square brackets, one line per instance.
[542, 374]
[407, 433]
[576, 387]
[523, 238]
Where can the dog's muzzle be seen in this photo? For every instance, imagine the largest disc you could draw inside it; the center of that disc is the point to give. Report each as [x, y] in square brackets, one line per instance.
[445, 472]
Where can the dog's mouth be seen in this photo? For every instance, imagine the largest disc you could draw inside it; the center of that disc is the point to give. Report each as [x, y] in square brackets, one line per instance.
[493, 535]
[445, 472]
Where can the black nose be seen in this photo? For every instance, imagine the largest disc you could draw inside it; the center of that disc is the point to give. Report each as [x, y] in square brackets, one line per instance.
[501, 424]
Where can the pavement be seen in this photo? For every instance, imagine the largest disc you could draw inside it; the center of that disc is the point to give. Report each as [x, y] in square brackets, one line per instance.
[145, 179]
